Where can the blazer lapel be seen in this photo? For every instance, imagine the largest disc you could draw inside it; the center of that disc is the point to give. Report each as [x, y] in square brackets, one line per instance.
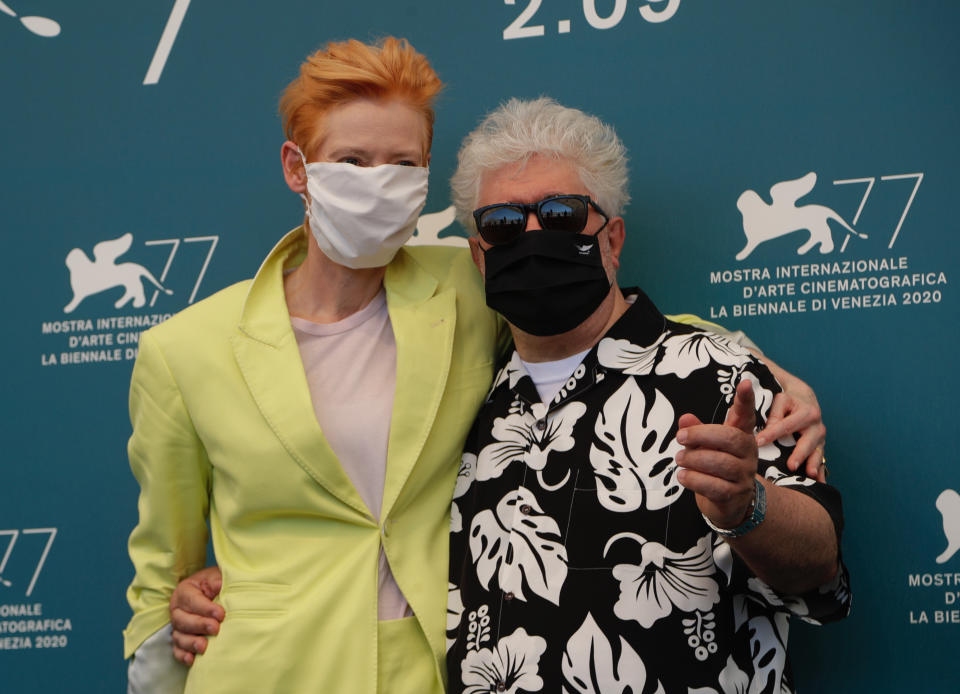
[423, 325]
[269, 359]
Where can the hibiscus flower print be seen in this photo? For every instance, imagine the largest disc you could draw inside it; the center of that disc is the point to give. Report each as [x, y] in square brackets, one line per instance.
[465, 477]
[511, 667]
[519, 439]
[623, 355]
[684, 354]
[512, 372]
[664, 580]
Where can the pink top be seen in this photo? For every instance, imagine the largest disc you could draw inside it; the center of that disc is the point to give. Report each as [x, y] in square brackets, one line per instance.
[351, 369]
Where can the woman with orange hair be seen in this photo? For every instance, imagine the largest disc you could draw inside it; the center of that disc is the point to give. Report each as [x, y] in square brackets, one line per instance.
[316, 413]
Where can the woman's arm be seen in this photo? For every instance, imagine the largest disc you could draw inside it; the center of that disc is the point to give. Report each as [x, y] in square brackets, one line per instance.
[796, 410]
[171, 466]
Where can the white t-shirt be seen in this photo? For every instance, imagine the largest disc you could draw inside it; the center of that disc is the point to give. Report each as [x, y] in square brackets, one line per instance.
[549, 376]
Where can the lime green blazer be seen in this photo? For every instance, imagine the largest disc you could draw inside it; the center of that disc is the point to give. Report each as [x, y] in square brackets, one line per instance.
[224, 429]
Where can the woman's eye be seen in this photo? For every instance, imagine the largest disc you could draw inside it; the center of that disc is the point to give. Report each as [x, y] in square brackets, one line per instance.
[351, 160]
[406, 162]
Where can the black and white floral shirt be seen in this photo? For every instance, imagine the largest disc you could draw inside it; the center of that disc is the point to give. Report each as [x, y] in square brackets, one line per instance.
[577, 561]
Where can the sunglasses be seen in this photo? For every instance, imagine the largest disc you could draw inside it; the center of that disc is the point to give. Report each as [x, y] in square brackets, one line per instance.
[505, 221]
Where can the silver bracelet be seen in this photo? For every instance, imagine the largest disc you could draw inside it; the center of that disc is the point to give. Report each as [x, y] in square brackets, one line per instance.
[757, 514]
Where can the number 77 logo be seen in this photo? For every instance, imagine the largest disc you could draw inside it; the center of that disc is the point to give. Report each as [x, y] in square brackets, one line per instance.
[166, 42]
[14, 534]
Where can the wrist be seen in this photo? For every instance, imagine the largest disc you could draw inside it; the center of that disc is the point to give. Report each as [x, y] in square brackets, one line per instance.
[753, 517]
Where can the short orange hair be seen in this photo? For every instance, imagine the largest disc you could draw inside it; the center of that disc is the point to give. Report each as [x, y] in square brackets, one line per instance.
[342, 72]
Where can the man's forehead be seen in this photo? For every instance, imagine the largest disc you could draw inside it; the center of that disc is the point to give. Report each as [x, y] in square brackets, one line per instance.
[529, 181]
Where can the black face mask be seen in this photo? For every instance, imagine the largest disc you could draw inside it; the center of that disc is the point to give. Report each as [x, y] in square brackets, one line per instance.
[546, 282]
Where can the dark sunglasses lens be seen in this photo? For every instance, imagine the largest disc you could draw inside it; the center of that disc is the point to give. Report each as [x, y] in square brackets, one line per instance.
[564, 214]
[502, 224]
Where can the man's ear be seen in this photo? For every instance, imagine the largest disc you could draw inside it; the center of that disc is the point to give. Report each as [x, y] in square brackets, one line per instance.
[616, 234]
[293, 172]
[476, 252]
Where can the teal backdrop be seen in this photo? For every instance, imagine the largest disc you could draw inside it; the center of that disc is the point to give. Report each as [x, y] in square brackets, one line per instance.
[153, 125]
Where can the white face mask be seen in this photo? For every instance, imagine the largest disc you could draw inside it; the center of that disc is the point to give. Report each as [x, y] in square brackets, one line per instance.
[361, 215]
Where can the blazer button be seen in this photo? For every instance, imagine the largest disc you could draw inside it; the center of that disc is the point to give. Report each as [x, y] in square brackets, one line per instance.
[508, 596]
[541, 424]
[501, 686]
[526, 509]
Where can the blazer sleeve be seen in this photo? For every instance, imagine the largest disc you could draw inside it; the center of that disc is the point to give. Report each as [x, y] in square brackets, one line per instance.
[170, 464]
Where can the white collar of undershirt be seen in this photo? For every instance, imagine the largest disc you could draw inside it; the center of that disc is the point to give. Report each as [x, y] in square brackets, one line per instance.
[549, 376]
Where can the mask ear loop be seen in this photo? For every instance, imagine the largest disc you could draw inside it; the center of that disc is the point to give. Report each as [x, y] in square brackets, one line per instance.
[306, 203]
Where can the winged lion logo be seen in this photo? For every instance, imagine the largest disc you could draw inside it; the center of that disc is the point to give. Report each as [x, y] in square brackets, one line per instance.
[430, 225]
[89, 277]
[948, 503]
[763, 222]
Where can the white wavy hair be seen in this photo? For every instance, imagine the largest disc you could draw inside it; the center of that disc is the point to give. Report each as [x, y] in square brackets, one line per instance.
[520, 129]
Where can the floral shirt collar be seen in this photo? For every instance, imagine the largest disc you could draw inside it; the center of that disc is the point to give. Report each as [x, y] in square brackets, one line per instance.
[641, 324]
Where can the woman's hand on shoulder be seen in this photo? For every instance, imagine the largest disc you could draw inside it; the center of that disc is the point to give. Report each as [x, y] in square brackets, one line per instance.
[796, 410]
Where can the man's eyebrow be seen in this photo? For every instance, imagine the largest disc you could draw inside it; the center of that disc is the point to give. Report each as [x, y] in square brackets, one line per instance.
[542, 197]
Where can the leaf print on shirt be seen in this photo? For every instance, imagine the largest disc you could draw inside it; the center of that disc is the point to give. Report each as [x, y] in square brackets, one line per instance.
[521, 546]
[519, 440]
[765, 594]
[685, 353]
[733, 680]
[454, 613]
[623, 355]
[588, 664]
[782, 479]
[768, 651]
[665, 579]
[839, 589]
[511, 667]
[633, 451]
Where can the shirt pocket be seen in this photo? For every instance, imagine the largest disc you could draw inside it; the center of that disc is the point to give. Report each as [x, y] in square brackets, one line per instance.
[599, 518]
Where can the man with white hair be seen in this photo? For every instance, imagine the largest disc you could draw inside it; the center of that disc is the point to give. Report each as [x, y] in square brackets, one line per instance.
[615, 527]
